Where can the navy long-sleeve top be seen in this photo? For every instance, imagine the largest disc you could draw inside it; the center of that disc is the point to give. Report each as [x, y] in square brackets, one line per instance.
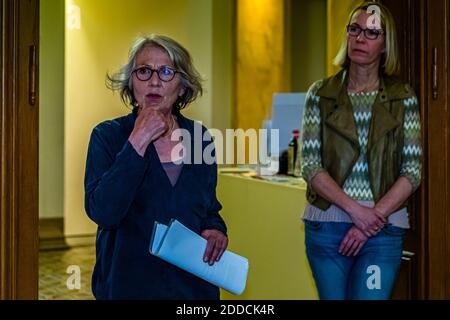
[125, 194]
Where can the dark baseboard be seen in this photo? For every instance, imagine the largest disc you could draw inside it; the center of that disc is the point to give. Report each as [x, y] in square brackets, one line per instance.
[51, 228]
[51, 234]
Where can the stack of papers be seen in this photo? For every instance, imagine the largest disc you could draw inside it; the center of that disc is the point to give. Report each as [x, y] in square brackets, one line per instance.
[184, 248]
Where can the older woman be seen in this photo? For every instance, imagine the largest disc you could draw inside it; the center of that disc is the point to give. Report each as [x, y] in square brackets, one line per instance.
[362, 160]
[132, 180]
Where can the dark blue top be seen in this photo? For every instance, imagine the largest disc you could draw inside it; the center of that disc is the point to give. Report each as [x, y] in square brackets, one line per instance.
[124, 195]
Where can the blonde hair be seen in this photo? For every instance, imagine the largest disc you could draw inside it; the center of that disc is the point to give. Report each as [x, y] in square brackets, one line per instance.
[190, 77]
[389, 63]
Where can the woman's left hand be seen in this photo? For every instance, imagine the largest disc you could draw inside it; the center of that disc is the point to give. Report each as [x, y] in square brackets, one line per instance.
[353, 241]
[217, 243]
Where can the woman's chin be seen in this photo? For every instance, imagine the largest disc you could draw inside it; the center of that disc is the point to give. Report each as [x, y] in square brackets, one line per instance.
[158, 107]
[361, 61]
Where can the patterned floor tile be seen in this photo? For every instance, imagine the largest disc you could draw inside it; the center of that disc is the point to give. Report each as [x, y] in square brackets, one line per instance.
[66, 274]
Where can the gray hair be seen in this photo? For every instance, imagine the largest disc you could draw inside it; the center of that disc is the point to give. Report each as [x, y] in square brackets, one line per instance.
[190, 77]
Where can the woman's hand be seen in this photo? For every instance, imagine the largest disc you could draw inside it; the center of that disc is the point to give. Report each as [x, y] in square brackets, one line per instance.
[368, 220]
[353, 241]
[149, 126]
[217, 243]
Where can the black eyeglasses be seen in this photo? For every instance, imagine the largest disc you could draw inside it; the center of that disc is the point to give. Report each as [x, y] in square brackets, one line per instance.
[371, 34]
[165, 73]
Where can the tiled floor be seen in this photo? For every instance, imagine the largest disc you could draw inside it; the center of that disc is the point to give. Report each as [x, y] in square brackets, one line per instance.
[59, 270]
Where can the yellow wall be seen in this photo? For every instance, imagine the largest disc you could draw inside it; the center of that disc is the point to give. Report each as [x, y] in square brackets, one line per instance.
[281, 46]
[337, 16]
[260, 59]
[51, 109]
[101, 44]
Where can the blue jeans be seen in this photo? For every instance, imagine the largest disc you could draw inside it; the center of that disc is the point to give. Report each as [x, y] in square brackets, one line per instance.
[370, 275]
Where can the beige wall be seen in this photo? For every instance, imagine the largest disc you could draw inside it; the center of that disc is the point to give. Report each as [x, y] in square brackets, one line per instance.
[51, 112]
[101, 45]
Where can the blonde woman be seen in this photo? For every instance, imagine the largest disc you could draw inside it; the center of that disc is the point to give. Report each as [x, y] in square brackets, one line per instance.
[362, 160]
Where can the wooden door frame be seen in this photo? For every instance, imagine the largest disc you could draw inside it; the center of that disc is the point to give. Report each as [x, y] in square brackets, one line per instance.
[19, 118]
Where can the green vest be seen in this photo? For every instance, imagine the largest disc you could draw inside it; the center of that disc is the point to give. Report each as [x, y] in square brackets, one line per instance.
[340, 144]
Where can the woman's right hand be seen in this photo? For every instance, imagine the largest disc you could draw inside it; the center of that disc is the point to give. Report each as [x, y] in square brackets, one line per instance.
[368, 220]
[149, 126]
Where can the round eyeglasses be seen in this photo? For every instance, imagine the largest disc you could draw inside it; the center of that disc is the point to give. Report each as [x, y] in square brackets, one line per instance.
[165, 73]
[371, 34]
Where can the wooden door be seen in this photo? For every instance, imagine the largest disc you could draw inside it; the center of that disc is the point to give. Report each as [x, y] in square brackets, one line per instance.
[19, 149]
[436, 107]
[409, 19]
[423, 28]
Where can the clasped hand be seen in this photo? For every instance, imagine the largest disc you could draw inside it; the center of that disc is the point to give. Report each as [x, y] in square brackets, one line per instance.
[368, 222]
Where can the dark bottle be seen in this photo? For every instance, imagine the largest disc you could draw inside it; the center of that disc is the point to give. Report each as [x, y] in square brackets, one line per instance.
[292, 152]
[283, 163]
